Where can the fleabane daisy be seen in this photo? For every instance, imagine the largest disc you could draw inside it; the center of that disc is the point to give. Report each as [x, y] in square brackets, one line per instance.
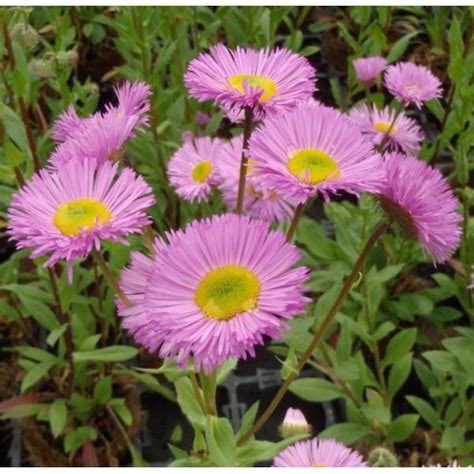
[420, 200]
[268, 81]
[192, 168]
[102, 136]
[404, 134]
[410, 83]
[213, 291]
[318, 453]
[314, 149]
[260, 202]
[67, 212]
[367, 69]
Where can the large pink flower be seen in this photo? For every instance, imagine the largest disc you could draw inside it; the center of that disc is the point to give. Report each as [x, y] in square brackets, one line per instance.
[419, 198]
[213, 291]
[269, 81]
[314, 149]
[68, 212]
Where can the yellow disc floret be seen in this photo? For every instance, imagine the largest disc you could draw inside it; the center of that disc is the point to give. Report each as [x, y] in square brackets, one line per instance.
[384, 127]
[267, 85]
[227, 291]
[313, 166]
[73, 216]
[201, 171]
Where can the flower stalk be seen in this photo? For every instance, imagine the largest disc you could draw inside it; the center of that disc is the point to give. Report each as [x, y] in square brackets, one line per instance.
[248, 121]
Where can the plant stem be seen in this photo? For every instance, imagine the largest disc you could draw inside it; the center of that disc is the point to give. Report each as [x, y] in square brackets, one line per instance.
[447, 111]
[294, 223]
[21, 101]
[110, 277]
[64, 319]
[244, 160]
[209, 385]
[320, 333]
[197, 393]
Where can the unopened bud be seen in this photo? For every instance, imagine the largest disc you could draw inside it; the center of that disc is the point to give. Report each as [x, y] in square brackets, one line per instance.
[202, 118]
[382, 457]
[294, 423]
[25, 35]
[42, 68]
[187, 136]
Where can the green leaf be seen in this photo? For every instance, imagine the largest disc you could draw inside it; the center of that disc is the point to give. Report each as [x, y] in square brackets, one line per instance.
[75, 439]
[443, 361]
[399, 373]
[119, 406]
[220, 441]
[103, 390]
[225, 369]
[289, 365]
[400, 47]
[35, 374]
[37, 354]
[426, 411]
[347, 433]
[55, 334]
[400, 345]
[107, 354]
[453, 436]
[248, 419]
[315, 390]
[401, 428]
[57, 417]
[188, 403]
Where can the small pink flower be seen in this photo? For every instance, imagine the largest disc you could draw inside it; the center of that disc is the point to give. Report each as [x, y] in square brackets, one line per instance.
[412, 84]
[367, 69]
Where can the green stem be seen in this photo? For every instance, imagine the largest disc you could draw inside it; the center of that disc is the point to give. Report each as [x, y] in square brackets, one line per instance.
[294, 223]
[209, 386]
[197, 393]
[110, 277]
[320, 333]
[244, 160]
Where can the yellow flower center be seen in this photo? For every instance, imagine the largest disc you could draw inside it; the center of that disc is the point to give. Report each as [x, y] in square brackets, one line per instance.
[74, 216]
[318, 465]
[267, 85]
[227, 291]
[384, 127]
[201, 171]
[313, 166]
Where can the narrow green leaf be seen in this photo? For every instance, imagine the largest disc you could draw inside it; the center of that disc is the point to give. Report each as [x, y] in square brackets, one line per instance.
[57, 417]
[220, 441]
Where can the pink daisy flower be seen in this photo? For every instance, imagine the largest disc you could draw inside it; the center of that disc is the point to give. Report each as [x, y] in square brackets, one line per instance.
[419, 198]
[294, 423]
[318, 453]
[213, 291]
[133, 100]
[405, 134]
[102, 137]
[367, 69]
[260, 202]
[192, 168]
[269, 81]
[314, 149]
[412, 84]
[66, 213]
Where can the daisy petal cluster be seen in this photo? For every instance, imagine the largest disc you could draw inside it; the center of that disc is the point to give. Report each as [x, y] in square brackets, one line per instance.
[213, 291]
[419, 198]
[318, 453]
[268, 81]
[404, 134]
[66, 213]
[102, 136]
[259, 201]
[367, 69]
[314, 149]
[412, 84]
[192, 168]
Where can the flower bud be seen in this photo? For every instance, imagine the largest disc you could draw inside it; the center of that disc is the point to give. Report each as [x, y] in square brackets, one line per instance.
[382, 457]
[187, 136]
[202, 118]
[294, 423]
[41, 68]
[25, 35]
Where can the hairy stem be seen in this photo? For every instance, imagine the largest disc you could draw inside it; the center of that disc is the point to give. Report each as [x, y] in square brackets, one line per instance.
[244, 160]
